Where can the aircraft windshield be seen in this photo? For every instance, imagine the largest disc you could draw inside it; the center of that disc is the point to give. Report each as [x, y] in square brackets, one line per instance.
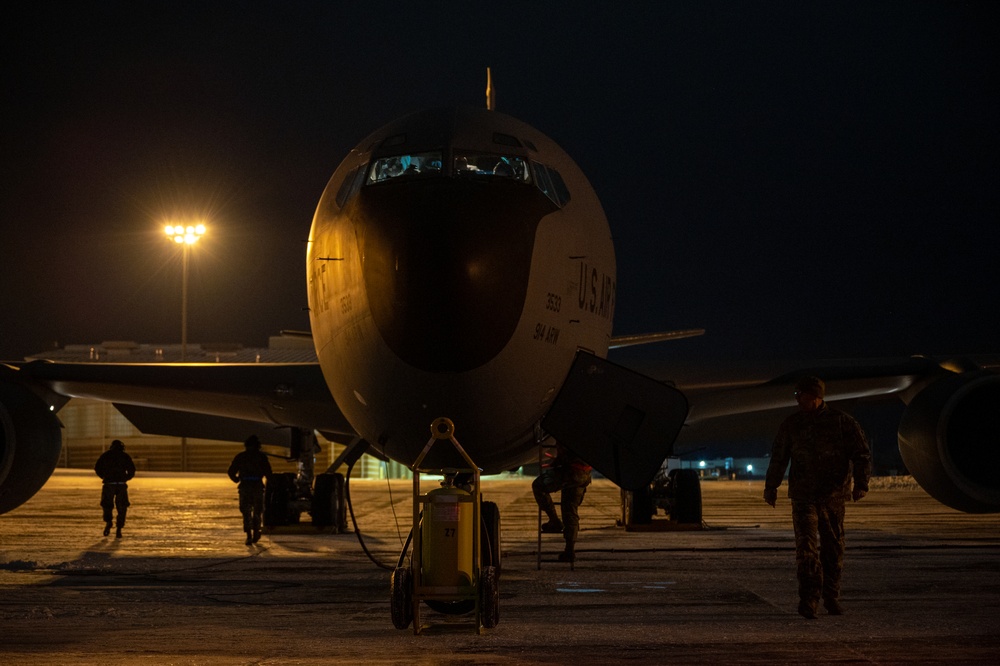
[397, 166]
[465, 165]
[551, 183]
[504, 166]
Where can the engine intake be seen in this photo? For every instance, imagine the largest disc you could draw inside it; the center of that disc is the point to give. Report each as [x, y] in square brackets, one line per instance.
[948, 438]
[30, 443]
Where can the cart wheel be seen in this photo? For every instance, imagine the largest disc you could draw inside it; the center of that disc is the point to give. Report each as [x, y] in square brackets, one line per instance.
[490, 531]
[489, 596]
[401, 601]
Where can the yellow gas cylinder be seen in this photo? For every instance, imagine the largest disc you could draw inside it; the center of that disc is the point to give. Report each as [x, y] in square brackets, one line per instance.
[446, 536]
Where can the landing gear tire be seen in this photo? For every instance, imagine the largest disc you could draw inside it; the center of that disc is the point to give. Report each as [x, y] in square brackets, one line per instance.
[637, 507]
[328, 506]
[685, 495]
[489, 597]
[278, 493]
[401, 601]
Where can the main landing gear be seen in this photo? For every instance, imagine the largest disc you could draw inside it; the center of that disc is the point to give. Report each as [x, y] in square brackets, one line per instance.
[455, 564]
[677, 492]
[288, 495]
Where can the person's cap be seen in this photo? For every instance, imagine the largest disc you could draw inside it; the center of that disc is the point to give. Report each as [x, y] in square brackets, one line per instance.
[118, 444]
[811, 385]
[252, 442]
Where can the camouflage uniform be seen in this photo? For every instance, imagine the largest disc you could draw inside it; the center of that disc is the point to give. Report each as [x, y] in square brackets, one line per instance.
[249, 468]
[570, 476]
[116, 469]
[826, 448]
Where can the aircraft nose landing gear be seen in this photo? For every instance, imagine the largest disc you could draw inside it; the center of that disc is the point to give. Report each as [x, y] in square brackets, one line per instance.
[447, 569]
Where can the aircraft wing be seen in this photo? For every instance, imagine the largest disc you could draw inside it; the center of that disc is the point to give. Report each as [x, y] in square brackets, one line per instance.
[852, 381]
[281, 394]
[212, 400]
[947, 434]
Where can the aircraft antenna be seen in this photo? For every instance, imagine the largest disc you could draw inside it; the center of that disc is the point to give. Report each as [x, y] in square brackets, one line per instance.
[491, 100]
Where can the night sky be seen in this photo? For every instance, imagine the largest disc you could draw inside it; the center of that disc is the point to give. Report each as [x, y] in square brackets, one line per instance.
[801, 179]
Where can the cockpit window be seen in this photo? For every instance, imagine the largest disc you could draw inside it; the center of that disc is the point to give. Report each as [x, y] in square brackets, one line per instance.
[475, 165]
[397, 166]
[350, 185]
[470, 165]
[506, 139]
[551, 183]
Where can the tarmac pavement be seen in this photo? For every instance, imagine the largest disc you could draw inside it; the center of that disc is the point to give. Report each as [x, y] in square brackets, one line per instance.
[921, 583]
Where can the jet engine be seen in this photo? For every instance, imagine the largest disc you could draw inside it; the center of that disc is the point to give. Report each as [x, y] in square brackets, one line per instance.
[949, 438]
[30, 443]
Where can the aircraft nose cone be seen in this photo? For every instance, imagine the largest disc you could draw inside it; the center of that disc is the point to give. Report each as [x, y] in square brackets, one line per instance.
[446, 266]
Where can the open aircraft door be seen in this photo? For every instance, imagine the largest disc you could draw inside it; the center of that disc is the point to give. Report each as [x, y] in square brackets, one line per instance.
[619, 421]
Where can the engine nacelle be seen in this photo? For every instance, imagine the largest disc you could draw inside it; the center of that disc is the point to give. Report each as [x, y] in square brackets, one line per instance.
[949, 438]
[30, 443]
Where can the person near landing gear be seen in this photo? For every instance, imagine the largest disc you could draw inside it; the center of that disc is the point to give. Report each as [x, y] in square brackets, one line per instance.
[116, 469]
[570, 476]
[249, 469]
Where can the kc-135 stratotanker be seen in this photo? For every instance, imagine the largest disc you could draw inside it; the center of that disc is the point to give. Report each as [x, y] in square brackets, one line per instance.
[460, 269]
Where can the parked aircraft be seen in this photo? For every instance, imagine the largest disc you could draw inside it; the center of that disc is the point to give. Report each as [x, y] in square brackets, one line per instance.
[460, 266]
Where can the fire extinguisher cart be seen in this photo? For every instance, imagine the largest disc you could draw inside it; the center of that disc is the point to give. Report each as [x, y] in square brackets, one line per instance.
[445, 569]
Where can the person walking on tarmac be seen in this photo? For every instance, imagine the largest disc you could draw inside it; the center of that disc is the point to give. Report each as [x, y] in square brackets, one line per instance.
[570, 476]
[116, 469]
[249, 469]
[826, 448]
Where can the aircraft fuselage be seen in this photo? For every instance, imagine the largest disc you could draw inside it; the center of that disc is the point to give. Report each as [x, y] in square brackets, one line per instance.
[457, 261]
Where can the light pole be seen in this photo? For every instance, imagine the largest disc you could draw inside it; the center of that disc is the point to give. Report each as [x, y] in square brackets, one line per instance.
[186, 236]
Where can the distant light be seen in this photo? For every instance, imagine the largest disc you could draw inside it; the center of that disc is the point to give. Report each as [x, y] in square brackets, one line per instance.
[187, 235]
[701, 464]
[750, 468]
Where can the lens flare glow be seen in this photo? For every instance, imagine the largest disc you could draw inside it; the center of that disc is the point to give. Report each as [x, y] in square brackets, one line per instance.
[185, 234]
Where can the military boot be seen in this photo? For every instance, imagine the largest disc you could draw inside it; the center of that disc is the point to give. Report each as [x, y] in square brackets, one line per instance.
[833, 607]
[107, 528]
[554, 526]
[807, 610]
[118, 533]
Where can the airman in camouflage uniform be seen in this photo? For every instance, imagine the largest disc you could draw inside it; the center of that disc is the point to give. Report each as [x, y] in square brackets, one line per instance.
[826, 448]
[249, 469]
[116, 469]
[570, 476]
